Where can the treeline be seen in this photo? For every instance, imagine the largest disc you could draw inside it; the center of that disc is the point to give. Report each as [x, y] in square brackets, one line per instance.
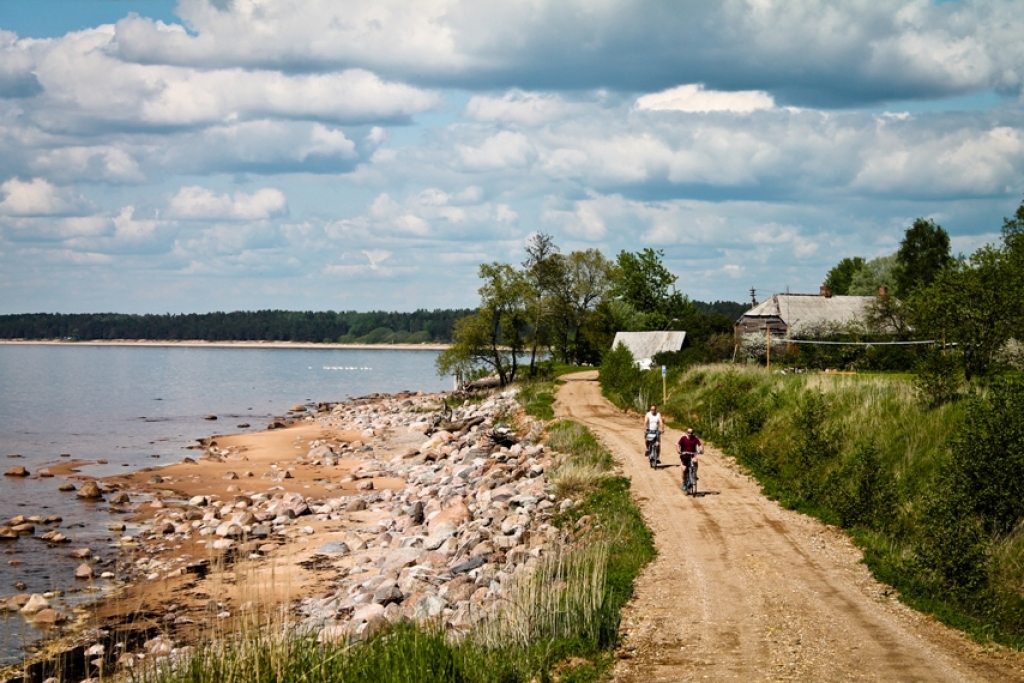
[569, 307]
[374, 327]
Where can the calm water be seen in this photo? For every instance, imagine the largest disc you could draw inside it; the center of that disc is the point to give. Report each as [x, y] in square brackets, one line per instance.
[126, 405]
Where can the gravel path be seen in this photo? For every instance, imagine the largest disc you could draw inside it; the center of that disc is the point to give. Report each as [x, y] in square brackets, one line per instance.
[743, 589]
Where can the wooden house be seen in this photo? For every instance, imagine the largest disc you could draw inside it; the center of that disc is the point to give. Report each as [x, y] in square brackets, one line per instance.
[787, 314]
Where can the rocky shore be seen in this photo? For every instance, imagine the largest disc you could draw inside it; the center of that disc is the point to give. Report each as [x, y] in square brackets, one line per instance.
[344, 518]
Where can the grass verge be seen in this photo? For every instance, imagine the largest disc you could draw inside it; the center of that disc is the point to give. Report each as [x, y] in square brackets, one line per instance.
[872, 455]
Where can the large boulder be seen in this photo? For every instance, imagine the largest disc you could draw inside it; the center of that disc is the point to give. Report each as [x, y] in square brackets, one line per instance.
[90, 491]
[49, 617]
[16, 471]
[35, 603]
[399, 559]
[290, 505]
[455, 514]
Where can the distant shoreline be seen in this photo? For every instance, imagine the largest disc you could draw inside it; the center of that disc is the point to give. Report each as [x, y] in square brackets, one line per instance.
[198, 343]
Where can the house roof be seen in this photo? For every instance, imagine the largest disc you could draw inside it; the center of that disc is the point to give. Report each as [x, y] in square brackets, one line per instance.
[799, 310]
[644, 345]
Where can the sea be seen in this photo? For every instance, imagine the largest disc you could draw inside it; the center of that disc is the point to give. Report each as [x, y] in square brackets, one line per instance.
[128, 407]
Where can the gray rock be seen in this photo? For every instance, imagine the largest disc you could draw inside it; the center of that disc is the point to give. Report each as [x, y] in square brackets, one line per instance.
[334, 548]
[398, 559]
[387, 594]
[469, 565]
[428, 606]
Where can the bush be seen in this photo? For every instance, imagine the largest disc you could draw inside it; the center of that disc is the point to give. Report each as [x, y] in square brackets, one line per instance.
[989, 452]
[619, 376]
[421, 337]
[950, 551]
[939, 377]
[375, 336]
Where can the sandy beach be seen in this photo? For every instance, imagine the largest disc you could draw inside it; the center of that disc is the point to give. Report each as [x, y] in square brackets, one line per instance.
[351, 514]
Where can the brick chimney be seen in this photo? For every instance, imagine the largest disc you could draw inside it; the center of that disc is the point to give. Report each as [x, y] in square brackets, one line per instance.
[825, 291]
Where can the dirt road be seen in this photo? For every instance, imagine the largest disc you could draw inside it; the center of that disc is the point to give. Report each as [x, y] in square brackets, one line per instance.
[745, 590]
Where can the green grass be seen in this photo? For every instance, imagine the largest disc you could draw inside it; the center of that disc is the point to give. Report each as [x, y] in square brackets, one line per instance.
[538, 399]
[869, 453]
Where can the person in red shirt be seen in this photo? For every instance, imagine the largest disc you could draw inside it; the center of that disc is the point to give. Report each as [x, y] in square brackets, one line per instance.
[689, 447]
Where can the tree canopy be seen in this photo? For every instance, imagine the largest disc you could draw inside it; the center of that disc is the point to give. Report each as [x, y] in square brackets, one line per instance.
[923, 254]
[571, 305]
[840, 277]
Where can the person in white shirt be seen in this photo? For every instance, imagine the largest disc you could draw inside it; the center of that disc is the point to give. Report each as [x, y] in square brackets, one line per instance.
[653, 422]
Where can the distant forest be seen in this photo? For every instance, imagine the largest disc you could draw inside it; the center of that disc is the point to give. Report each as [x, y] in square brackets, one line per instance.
[730, 309]
[347, 327]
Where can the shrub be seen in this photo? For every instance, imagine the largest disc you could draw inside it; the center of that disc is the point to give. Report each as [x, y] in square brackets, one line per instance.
[619, 376]
[989, 452]
[421, 337]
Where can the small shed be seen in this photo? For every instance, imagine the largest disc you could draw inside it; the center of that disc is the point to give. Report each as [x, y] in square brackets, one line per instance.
[785, 314]
[645, 345]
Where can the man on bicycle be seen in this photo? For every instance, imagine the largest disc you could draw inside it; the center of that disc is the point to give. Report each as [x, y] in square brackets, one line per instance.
[689, 447]
[653, 423]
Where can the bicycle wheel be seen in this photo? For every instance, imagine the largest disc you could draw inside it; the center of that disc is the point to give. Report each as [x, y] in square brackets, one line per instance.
[691, 481]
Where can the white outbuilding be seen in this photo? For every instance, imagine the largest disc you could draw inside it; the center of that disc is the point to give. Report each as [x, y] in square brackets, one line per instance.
[645, 345]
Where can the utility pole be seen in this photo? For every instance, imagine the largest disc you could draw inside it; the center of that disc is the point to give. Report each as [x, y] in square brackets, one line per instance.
[753, 296]
[768, 349]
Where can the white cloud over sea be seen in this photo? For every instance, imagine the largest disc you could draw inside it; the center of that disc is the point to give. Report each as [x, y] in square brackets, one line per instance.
[334, 155]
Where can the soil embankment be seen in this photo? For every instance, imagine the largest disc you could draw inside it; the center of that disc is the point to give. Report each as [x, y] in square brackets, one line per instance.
[743, 589]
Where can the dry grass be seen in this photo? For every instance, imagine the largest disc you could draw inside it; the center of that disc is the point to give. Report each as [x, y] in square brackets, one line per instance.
[561, 598]
[573, 479]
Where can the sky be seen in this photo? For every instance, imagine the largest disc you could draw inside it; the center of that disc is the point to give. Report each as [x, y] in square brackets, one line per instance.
[162, 156]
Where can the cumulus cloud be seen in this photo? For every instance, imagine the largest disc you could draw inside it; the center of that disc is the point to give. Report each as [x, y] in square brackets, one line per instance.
[90, 163]
[812, 51]
[38, 197]
[16, 76]
[128, 227]
[499, 151]
[518, 106]
[265, 147]
[85, 86]
[939, 162]
[200, 203]
[376, 256]
[693, 98]
[429, 215]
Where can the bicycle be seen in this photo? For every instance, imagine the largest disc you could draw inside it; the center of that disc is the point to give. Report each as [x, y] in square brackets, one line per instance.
[653, 438]
[690, 476]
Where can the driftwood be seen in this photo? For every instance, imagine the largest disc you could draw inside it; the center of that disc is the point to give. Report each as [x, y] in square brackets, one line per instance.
[461, 424]
[492, 382]
[502, 436]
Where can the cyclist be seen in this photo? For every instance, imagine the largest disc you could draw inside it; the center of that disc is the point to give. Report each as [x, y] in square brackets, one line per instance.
[689, 447]
[653, 423]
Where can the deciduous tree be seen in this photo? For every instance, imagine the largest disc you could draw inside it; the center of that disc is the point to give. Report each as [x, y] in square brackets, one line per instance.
[923, 254]
[495, 335]
[840, 277]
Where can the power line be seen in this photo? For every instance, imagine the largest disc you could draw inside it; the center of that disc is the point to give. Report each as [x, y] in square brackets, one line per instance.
[843, 343]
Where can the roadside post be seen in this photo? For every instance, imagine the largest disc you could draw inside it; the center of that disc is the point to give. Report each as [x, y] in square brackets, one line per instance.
[664, 395]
